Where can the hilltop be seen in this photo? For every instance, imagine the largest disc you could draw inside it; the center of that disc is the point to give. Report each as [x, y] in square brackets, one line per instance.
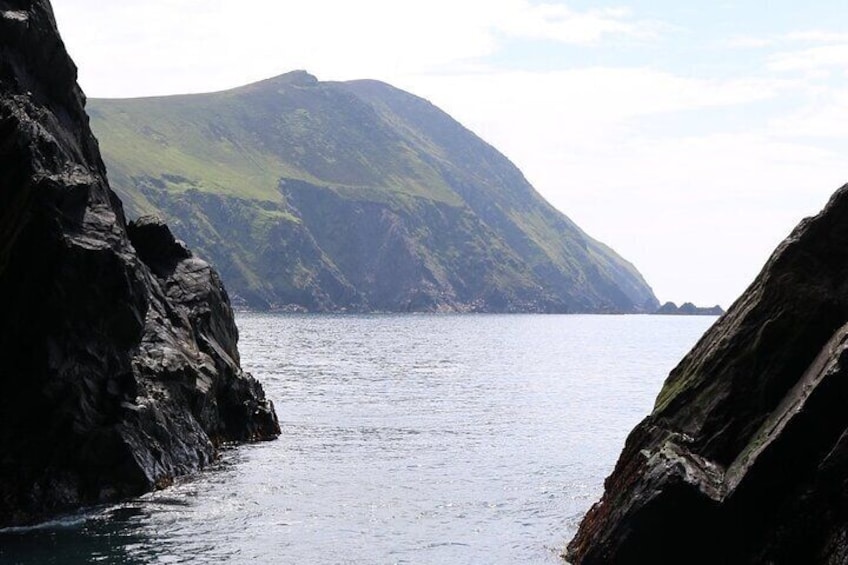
[357, 196]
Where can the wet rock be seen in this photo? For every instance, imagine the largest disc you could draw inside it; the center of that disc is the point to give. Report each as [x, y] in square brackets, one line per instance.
[744, 458]
[119, 368]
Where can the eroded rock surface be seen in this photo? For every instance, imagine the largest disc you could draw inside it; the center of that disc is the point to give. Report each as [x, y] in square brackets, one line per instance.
[745, 456]
[118, 361]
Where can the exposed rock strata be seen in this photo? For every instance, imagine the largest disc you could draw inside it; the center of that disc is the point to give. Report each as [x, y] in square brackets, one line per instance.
[119, 362]
[745, 456]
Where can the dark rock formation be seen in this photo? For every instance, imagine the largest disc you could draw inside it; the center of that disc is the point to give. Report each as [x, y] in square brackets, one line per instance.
[688, 309]
[745, 456]
[119, 363]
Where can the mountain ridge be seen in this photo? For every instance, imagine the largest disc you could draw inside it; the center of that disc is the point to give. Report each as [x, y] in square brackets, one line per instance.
[356, 196]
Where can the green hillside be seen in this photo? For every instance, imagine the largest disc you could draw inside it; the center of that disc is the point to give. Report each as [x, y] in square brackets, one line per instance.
[353, 196]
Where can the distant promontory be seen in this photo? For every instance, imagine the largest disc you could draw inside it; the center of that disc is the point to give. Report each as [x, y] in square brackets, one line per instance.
[688, 309]
[354, 196]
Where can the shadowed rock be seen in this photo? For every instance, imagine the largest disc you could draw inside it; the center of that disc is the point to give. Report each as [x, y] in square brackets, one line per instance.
[745, 456]
[120, 369]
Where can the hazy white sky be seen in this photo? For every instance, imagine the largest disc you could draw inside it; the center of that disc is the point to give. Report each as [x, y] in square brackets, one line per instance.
[689, 136]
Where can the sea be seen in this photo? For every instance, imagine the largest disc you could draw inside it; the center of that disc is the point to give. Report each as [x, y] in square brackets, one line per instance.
[420, 439]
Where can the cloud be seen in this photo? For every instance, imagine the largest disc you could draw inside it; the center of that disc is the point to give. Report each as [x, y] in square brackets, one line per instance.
[817, 36]
[825, 117]
[824, 50]
[709, 208]
[196, 46]
[169, 47]
[591, 95]
[693, 177]
[747, 42]
[813, 58]
[695, 211]
[805, 36]
[556, 22]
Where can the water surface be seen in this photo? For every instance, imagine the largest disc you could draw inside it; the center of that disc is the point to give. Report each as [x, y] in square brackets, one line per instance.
[406, 439]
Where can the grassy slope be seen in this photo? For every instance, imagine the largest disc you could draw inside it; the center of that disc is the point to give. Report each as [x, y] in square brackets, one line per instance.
[322, 194]
[544, 235]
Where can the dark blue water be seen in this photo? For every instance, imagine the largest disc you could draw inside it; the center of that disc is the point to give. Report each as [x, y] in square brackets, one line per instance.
[406, 439]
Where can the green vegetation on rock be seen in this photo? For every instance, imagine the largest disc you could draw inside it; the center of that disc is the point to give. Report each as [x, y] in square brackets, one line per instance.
[357, 196]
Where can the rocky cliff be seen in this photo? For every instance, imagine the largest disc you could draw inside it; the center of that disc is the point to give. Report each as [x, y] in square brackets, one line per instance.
[119, 363]
[744, 458]
[354, 196]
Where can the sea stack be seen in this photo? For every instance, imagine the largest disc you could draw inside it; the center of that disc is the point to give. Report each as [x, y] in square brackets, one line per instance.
[744, 458]
[120, 369]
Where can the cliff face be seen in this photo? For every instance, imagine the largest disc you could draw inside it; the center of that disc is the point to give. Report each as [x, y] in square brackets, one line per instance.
[119, 367]
[745, 456]
[354, 196]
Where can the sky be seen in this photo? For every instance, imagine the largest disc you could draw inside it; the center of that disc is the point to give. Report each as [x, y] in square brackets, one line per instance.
[691, 137]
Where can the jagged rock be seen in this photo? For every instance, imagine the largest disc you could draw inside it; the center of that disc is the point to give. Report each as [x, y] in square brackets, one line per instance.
[119, 362]
[744, 458]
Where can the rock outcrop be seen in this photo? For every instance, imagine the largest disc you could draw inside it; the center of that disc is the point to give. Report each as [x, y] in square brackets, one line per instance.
[744, 458]
[118, 362]
[688, 309]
